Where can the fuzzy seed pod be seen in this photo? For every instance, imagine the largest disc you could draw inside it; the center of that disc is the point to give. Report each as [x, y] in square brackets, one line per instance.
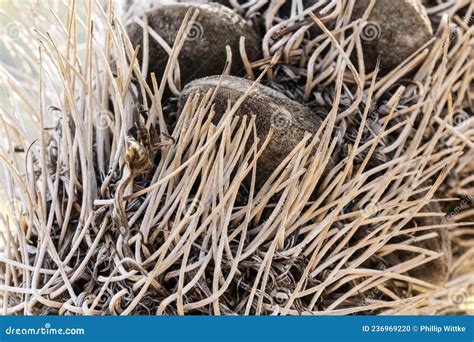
[204, 51]
[394, 30]
[290, 120]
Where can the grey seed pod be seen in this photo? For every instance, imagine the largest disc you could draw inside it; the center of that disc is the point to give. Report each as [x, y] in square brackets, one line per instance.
[289, 119]
[394, 30]
[204, 51]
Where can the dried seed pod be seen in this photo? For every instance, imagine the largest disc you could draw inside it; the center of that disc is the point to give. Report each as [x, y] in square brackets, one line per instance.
[394, 30]
[289, 119]
[204, 51]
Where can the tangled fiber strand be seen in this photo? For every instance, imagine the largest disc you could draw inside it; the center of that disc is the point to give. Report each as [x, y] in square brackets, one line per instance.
[116, 209]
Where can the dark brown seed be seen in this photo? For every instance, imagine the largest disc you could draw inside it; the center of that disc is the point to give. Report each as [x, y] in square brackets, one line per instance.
[437, 271]
[395, 29]
[289, 119]
[203, 53]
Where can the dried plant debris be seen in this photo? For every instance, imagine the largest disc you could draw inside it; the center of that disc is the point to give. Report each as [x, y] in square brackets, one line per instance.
[288, 120]
[136, 187]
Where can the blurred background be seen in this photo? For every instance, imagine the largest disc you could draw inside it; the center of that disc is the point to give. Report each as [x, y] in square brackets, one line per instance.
[18, 51]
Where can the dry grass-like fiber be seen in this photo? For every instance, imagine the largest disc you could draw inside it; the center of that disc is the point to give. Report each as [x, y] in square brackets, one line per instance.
[120, 208]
